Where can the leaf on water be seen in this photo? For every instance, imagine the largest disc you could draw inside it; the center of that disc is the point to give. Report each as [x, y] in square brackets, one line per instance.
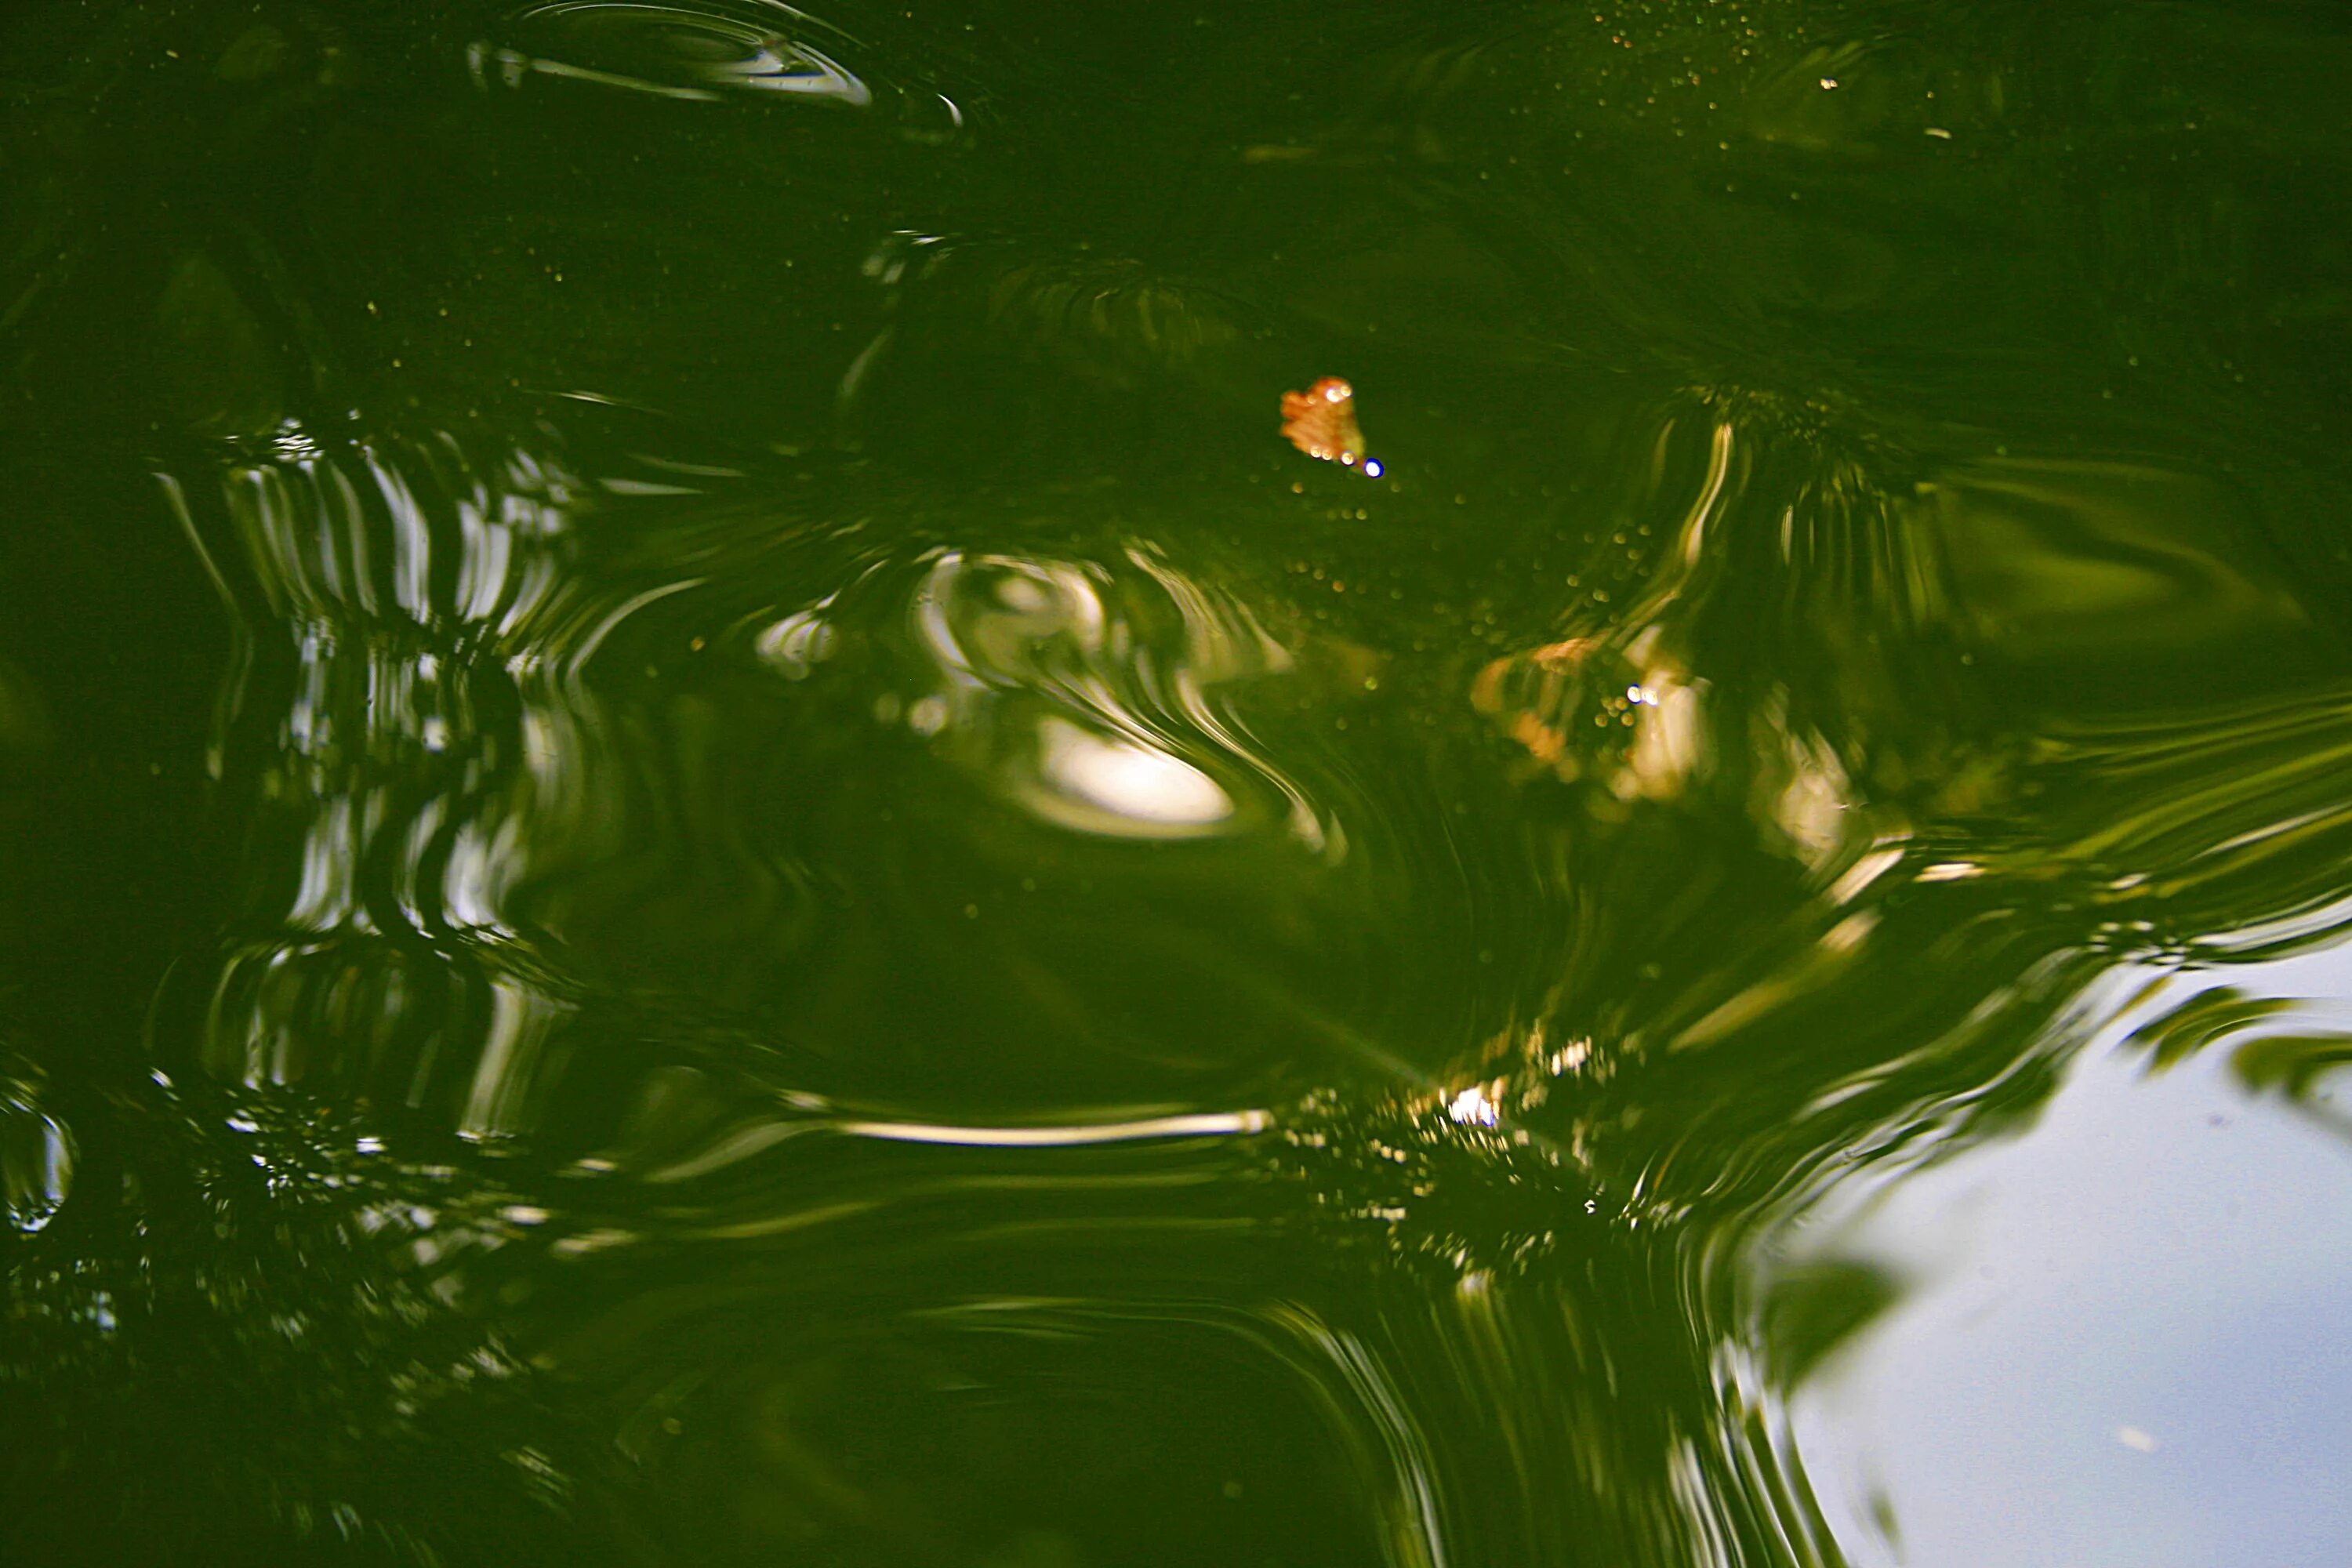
[1321, 422]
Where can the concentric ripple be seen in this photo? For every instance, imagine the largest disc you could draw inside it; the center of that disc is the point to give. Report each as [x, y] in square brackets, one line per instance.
[1084, 693]
[699, 51]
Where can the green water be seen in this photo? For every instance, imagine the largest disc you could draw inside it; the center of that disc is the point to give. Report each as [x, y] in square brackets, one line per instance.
[709, 855]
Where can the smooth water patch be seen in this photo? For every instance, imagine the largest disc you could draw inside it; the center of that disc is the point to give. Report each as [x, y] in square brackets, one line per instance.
[2123, 1328]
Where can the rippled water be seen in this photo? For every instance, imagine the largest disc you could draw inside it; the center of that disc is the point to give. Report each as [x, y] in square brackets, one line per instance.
[713, 856]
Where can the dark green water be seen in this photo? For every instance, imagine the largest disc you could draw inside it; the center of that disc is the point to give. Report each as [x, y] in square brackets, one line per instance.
[709, 855]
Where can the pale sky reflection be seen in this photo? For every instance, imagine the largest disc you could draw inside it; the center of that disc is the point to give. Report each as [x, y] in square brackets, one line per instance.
[2128, 1328]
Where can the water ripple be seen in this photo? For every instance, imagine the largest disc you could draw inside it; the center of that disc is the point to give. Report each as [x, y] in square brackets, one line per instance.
[703, 51]
[36, 1151]
[398, 740]
[1085, 692]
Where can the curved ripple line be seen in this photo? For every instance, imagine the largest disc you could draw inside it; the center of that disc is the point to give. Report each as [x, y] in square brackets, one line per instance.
[1415, 1535]
[407, 747]
[1080, 690]
[1215, 1124]
[679, 51]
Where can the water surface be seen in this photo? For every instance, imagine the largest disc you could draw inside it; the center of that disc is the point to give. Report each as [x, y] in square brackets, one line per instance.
[712, 856]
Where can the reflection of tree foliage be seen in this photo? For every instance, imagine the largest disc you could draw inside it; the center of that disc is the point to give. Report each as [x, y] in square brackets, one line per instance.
[2268, 1053]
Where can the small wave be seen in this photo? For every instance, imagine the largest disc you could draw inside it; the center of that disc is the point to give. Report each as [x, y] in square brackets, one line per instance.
[403, 737]
[36, 1151]
[706, 51]
[1085, 692]
[679, 51]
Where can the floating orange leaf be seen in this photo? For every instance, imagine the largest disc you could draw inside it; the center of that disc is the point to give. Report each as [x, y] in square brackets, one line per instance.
[1321, 422]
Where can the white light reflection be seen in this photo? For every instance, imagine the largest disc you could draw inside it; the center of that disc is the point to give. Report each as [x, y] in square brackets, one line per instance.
[1858, 877]
[1473, 1108]
[744, 1142]
[1074, 688]
[1144, 791]
[796, 644]
[37, 1159]
[419, 585]
[1220, 1124]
